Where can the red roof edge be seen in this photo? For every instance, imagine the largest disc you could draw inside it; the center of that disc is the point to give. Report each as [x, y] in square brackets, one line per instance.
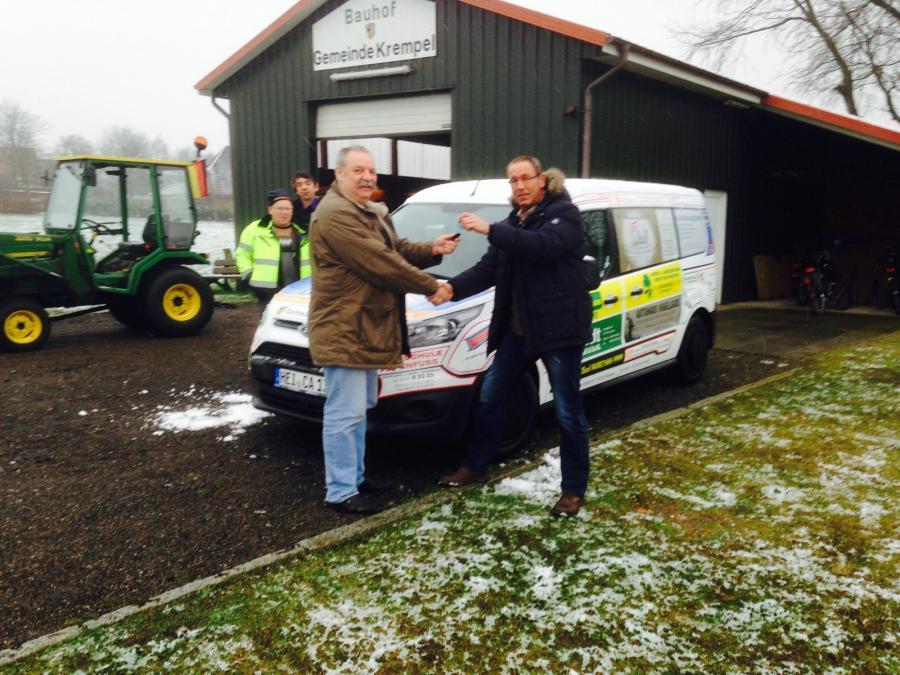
[254, 44]
[851, 123]
[551, 23]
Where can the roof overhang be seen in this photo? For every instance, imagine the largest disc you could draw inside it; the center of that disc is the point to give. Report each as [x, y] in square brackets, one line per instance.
[274, 32]
[664, 68]
[843, 124]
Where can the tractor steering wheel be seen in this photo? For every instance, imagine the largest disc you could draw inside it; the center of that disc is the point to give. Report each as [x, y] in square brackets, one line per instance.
[98, 228]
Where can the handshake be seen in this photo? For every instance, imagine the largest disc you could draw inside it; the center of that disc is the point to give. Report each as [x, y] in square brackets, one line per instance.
[443, 294]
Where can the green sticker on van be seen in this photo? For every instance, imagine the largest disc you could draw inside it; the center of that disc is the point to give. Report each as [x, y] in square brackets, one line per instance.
[605, 334]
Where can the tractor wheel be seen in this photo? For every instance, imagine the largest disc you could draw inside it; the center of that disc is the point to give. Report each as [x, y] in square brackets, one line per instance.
[177, 302]
[127, 310]
[691, 361]
[25, 325]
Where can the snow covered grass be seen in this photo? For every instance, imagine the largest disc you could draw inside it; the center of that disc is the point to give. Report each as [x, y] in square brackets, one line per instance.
[758, 534]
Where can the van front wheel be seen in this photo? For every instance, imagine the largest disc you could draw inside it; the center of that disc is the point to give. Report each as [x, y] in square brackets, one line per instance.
[522, 410]
[691, 361]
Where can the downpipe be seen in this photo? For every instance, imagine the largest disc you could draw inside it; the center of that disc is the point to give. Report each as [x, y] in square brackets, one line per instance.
[588, 107]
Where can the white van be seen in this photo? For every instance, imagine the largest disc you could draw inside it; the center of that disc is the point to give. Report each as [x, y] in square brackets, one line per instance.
[654, 308]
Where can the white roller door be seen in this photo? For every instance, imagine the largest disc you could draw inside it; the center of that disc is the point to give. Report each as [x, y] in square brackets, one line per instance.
[384, 117]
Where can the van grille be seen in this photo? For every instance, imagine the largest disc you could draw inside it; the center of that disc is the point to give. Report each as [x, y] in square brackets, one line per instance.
[299, 355]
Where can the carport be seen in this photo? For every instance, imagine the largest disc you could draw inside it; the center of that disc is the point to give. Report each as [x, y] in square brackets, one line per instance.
[830, 182]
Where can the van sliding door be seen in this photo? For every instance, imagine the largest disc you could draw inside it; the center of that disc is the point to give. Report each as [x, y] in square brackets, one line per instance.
[652, 278]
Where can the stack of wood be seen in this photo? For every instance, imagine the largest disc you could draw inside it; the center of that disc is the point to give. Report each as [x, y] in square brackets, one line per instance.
[226, 266]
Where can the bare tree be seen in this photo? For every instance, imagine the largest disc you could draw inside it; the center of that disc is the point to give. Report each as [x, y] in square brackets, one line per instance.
[73, 144]
[19, 128]
[872, 31]
[835, 47]
[888, 6]
[185, 154]
[20, 135]
[128, 142]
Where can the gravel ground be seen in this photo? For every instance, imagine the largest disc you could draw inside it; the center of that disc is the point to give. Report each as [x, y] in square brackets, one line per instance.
[98, 512]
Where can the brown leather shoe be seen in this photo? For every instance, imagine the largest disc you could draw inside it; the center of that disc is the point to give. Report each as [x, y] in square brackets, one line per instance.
[567, 506]
[462, 476]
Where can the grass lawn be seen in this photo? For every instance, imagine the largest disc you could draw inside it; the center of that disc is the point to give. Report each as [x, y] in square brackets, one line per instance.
[757, 534]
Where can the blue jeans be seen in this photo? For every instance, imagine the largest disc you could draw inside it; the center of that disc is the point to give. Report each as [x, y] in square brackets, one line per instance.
[564, 370]
[350, 392]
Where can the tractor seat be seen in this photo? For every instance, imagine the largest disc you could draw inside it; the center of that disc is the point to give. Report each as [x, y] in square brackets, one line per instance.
[149, 233]
[134, 249]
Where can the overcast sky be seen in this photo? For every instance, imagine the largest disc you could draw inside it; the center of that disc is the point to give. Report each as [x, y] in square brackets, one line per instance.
[86, 65]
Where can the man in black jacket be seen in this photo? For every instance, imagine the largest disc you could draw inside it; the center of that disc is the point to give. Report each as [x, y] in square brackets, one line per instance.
[305, 187]
[541, 310]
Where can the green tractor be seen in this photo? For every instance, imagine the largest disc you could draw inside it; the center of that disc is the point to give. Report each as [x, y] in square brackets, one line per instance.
[117, 235]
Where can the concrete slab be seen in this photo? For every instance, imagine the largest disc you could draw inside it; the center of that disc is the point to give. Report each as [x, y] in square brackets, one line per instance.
[781, 328]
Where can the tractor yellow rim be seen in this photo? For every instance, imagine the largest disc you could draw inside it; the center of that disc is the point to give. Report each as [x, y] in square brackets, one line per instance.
[22, 327]
[182, 302]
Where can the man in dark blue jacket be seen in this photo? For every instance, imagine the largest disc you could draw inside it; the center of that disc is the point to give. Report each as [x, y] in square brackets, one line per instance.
[541, 310]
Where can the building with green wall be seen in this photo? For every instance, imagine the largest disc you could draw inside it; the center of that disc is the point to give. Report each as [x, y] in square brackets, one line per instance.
[451, 89]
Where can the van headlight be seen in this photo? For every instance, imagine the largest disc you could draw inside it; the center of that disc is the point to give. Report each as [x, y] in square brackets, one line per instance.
[440, 329]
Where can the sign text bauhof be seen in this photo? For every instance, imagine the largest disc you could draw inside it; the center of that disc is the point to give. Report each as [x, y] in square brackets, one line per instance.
[363, 32]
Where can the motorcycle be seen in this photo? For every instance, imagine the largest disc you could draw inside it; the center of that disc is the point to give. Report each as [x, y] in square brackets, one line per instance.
[823, 286]
[891, 277]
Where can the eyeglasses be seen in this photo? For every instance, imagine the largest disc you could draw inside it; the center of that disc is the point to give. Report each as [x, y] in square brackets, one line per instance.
[522, 179]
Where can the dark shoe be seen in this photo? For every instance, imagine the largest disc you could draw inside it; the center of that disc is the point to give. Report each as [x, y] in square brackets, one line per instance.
[373, 487]
[462, 476]
[358, 503]
[567, 506]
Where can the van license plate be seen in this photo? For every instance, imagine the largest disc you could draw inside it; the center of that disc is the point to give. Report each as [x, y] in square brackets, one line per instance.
[305, 383]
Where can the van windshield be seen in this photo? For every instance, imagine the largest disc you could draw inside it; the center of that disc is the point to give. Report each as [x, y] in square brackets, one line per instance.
[425, 222]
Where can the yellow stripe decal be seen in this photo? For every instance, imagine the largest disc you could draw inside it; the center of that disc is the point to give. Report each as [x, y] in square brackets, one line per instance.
[28, 254]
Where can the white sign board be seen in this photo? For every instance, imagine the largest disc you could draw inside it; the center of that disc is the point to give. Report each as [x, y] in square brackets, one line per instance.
[364, 32]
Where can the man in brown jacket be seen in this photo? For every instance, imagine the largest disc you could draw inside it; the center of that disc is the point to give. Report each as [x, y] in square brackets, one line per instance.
[357, 316]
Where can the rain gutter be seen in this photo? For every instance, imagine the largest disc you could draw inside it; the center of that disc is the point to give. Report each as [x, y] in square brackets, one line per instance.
[218, 107]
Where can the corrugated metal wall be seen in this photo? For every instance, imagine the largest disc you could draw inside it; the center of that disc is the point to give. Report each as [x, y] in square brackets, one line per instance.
[514, 81]
[649, 131]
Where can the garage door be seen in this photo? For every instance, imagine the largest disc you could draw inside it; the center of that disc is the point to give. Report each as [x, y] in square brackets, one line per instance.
[404, 115]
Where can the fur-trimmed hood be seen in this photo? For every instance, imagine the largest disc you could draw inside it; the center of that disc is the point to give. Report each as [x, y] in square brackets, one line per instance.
[556, 184]
[556, 180]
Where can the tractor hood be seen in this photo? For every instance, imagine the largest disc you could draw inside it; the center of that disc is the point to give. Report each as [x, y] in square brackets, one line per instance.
[17, 246]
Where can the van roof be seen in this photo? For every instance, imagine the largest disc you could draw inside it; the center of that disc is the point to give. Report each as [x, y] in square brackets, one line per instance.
[594, 191]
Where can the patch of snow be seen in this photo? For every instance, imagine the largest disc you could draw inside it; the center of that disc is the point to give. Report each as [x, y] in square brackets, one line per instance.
[230, 409]
[781, 494]
[540, 485]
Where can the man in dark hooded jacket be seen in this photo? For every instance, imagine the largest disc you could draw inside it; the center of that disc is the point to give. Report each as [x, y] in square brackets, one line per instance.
[541, 310]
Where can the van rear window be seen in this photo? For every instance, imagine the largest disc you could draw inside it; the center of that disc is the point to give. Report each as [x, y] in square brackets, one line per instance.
[692, 231]
[645, 237]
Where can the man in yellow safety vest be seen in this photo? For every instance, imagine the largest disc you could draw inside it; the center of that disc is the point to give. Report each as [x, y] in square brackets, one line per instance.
[273, 252]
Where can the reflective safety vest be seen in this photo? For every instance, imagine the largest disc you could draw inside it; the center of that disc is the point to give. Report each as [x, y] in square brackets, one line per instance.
[259, 252]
